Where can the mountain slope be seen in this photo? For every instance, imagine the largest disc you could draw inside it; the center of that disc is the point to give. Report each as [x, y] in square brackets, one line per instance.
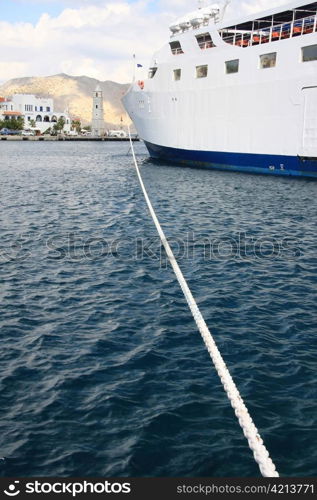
[73, 93]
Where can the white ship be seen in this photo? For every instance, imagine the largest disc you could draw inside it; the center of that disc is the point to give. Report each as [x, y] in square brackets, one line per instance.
[238, 95]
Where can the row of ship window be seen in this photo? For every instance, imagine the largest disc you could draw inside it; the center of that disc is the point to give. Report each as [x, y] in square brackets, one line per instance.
[266, 61]
[309, 53]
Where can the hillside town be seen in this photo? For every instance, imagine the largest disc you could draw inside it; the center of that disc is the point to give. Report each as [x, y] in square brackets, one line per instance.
[31, 115]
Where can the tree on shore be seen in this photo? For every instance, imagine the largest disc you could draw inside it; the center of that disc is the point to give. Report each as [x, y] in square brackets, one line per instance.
[58, 127]
[13, 123]
[76, 125]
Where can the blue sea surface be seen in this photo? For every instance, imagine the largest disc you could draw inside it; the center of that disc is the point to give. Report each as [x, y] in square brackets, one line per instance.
[102, 369]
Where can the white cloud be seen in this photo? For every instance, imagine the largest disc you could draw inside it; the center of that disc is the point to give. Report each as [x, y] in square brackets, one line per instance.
[96, 38]
[11, 69]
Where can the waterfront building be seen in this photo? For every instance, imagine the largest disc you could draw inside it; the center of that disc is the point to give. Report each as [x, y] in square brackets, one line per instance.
[35, 110]
[98, 123]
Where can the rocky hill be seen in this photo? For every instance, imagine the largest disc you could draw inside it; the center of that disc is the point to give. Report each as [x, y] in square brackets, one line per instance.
[73, 93]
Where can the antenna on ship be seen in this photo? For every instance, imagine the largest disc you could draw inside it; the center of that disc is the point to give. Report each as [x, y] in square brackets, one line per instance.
[201, 4]
[223, 9]
[134, 65]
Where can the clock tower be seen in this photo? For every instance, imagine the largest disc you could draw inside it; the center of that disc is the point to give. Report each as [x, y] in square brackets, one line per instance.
[98, 124]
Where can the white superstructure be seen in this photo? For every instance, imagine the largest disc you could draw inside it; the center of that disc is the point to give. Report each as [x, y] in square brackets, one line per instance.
[239, 95]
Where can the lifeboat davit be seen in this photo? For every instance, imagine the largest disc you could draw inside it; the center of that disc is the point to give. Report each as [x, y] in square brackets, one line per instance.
[184, 23]
[196, 18]
[175, 28]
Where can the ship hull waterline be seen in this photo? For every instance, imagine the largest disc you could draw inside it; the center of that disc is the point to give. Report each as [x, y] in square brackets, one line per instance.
[236, 162]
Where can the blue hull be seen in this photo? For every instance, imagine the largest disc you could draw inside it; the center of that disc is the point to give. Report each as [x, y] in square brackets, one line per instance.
[239, 162]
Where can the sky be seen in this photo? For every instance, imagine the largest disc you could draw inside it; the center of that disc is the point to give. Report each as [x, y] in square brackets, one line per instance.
[96, 38]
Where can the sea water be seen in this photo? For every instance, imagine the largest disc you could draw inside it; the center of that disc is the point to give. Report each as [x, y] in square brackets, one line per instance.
[102, 369]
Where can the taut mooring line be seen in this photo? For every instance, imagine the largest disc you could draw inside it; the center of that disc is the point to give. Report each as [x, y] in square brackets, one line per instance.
[260, 453]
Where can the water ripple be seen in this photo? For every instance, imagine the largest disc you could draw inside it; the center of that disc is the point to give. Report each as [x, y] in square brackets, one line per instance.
[102, 370]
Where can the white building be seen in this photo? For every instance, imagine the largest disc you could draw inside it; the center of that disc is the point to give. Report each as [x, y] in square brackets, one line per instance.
[35, 110]
[98, 124]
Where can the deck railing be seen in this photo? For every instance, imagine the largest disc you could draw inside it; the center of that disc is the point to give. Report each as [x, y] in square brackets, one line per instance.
[274, 33]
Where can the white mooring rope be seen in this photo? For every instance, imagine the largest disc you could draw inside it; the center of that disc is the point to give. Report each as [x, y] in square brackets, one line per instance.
[260, 453]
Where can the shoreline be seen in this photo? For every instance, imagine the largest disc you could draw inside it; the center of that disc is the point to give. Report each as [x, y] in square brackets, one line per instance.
[15, 138]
